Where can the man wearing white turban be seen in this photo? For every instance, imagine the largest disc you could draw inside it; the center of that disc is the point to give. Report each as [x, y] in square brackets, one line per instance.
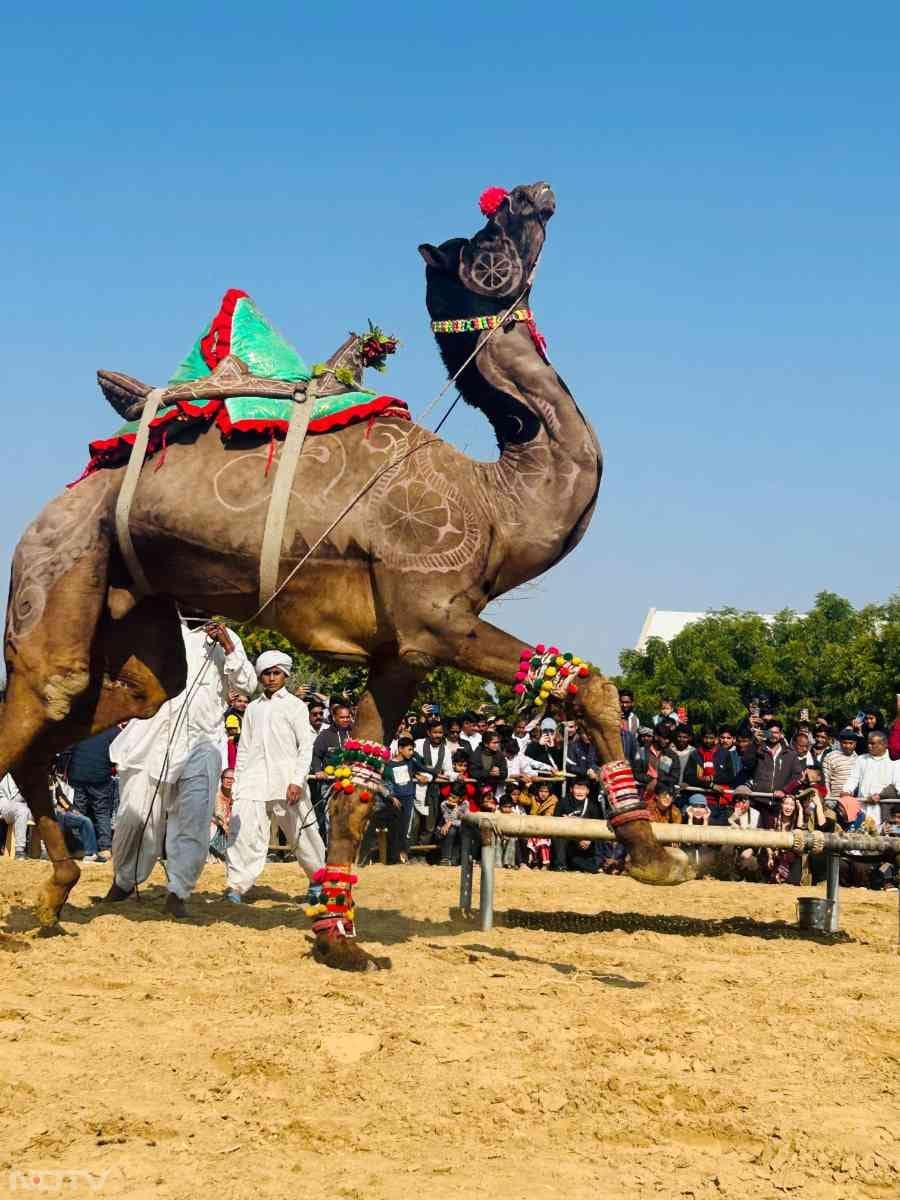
[270, 780]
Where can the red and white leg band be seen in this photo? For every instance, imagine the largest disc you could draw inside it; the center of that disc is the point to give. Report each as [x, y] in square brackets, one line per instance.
[622, 794]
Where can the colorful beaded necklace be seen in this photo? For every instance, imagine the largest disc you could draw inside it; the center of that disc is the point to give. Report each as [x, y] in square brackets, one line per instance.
[476, 324]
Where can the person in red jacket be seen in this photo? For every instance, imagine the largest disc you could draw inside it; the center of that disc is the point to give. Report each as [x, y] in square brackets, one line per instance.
[894, 732]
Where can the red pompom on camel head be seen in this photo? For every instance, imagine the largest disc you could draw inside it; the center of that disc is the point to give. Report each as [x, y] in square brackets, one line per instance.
[491, 199]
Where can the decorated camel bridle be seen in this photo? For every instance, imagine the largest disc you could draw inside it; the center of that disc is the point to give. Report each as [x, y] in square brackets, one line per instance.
[492, 270]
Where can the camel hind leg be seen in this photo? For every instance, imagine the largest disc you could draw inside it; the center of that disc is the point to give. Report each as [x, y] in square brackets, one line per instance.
[135, 664]
[71, 669]
[57, 590]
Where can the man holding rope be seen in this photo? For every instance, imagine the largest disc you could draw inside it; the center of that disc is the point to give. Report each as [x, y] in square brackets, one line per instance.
[169, 768]
[270, 779]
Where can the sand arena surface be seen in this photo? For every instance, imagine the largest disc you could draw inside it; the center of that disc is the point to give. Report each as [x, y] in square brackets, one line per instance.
[687, 1043]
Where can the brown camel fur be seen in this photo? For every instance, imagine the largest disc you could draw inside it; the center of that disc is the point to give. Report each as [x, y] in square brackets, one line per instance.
[399, 584]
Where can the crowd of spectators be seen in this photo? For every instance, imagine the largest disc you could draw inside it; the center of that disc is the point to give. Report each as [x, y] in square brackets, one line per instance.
[818, 774]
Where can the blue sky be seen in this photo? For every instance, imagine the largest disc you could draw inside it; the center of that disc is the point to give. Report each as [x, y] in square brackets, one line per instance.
[719, 287]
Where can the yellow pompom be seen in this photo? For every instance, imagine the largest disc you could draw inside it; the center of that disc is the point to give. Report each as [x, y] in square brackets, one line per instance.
[559, 660]
[576, 661]
[329, 770]
[550, 672]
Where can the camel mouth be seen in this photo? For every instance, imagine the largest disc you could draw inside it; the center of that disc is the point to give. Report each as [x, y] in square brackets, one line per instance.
[545, 202]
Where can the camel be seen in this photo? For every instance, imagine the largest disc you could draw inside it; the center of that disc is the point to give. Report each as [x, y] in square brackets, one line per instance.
[399, 584]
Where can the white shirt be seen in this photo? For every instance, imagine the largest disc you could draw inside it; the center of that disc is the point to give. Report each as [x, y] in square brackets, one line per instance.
[869, 776]
[747, 820]
[9, 791]
[446, 769]
[192, 719]
[520, 764]
[275, 748]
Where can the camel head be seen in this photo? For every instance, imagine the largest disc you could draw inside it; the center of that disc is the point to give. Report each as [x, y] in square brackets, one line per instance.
[484, 274]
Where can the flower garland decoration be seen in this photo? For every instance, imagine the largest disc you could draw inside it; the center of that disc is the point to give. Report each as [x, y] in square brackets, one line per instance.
[376, 346]
[358, 765]
[330, 902]
[546, 671]
[354, 767]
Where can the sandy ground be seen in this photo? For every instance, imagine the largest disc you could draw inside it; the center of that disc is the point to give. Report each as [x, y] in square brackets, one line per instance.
[685, 1043]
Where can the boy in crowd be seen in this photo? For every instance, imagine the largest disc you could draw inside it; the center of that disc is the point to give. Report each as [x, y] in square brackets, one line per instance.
[404, 772]
[454, 806]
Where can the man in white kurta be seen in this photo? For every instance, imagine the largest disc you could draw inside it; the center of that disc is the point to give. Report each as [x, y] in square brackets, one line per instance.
[270, 779]
[871, 774]
[169, 769]
[14, 812]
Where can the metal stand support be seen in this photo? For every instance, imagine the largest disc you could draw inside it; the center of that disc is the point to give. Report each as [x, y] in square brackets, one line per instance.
[486, 897]
[832, 889]
[465, 870]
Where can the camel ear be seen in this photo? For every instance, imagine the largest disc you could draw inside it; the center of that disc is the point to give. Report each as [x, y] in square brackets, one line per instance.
[434, 257]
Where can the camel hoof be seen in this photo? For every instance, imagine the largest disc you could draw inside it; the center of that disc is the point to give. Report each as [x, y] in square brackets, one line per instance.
[55, 893]
[650, 862]
[671, 867]
[344, 954]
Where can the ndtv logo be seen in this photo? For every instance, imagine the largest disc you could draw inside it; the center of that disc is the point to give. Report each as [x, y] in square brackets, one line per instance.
[65, 1180]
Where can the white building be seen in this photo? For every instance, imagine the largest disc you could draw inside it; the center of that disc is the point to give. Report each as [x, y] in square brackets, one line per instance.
[666, 624]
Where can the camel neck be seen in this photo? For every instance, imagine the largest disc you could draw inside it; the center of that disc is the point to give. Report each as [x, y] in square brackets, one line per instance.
[550, 461]
[511, 364]
[518, 391]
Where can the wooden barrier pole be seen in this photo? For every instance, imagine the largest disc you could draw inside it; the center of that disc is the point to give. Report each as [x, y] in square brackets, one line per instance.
[833, 889]
[486, 893]
[523, 825]
[465, 869]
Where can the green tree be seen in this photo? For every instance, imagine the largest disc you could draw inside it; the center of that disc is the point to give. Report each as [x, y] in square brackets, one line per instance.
[834, 660]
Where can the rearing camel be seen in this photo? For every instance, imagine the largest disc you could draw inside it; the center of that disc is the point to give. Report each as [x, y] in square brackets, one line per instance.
[399, 584]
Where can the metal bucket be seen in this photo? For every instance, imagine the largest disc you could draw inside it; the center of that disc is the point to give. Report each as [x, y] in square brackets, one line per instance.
[814, 913]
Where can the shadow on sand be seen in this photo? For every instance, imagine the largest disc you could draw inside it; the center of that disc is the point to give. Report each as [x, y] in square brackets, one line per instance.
[673, 925]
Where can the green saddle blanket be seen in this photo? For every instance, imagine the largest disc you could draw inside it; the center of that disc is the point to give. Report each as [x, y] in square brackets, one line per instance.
[239, 328]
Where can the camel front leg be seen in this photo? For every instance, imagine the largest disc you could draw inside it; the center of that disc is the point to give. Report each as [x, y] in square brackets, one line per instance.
[392, 686]
[485, 650]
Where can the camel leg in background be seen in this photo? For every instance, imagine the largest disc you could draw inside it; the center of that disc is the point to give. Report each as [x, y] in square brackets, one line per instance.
[485, 650]
[391, 688]
[66, 682]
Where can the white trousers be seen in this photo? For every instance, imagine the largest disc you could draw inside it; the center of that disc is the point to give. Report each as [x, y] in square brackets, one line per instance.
[16, 813]
[248, 838]
[179, 816]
